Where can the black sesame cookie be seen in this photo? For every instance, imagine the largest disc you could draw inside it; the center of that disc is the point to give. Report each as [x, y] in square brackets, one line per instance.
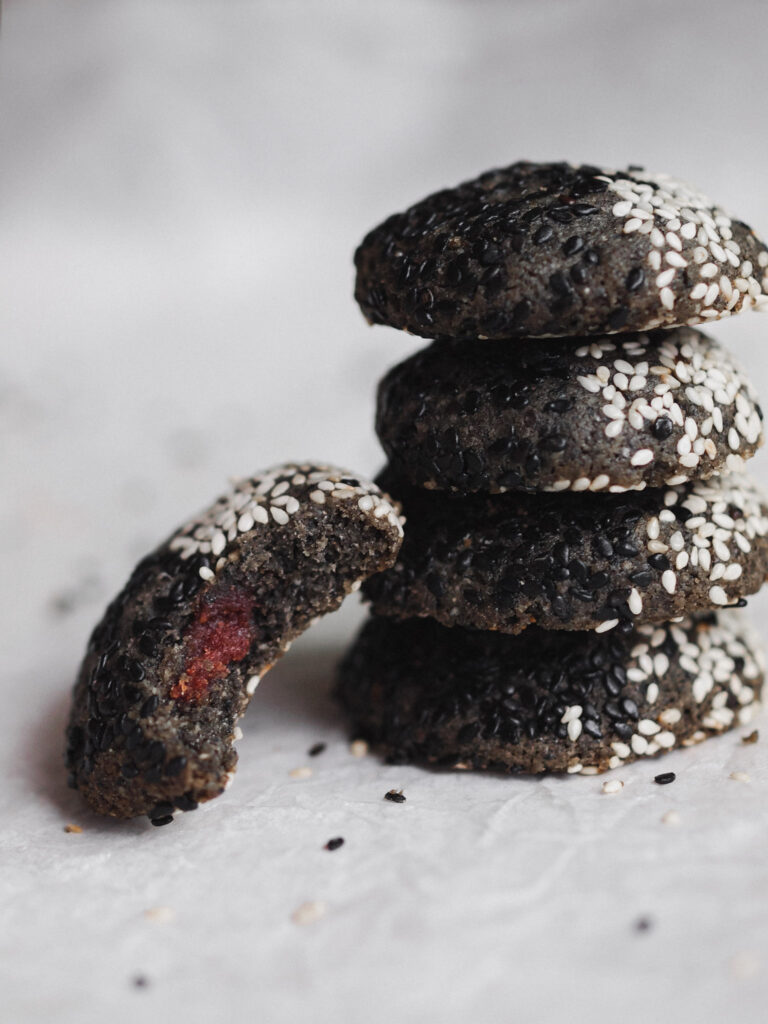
[615, 413]
[548, 702]
[174, 661]
[533, 250]
[575, 561]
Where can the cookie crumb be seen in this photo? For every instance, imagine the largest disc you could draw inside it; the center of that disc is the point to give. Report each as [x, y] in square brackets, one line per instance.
[309, 912]
[670, 818]
[334, 844]
[358, 748]
[395, 795]
[739, 777]
[300, 773]
[753, 737]
[315, 749]
[664, 778]
[73, 828]
[613, 786]
[160, 915]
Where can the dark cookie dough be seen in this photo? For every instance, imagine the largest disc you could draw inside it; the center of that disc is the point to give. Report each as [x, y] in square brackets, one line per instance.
[544, 702]
[615, 413]
[172, 665]
[575, 561]
[533, 250]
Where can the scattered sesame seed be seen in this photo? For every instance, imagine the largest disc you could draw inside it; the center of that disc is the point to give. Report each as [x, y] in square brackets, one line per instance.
[670, 818]
[160, 915]
[300, 773]
[613, 786]
[334, 844]
[665, 778]
[739, 777]
[358, 748]
[309, 912]
[74, 829]
[395, 796]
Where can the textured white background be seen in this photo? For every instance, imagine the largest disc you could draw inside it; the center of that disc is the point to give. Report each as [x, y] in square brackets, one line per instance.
[182, 184]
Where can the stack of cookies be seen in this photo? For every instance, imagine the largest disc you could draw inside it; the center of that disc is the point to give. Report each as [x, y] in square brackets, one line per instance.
[569, 452]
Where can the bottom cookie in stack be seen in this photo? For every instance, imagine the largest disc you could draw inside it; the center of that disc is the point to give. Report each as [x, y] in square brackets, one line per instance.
[548, 702]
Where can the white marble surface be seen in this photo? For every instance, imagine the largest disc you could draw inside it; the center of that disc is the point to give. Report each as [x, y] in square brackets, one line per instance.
[181, 187]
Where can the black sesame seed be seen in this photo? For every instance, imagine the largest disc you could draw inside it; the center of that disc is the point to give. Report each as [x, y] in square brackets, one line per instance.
[627, 549]
[543, 234]
[642, 578]
[573, 245]
[659, 562]
[629, 708]
[334, 844]
[186, 802]
[665, 778]
[618, 318]
[635, 279]
[150, 706]
[558, 282]
[395, 797]
[662, 427]
[175, 766]
[316, 748]
[165, 820]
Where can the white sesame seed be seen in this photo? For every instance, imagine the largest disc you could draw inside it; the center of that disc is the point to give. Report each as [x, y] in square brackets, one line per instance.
[574, 729]
[669, 581]
[606, 625]
[250, 686]
[612, 786]
[642, 457]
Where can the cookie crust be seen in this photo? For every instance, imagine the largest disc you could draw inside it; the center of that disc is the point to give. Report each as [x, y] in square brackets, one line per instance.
[174, 661]
[575, 561]
[551, 249]
[544, 702]
[617, 413]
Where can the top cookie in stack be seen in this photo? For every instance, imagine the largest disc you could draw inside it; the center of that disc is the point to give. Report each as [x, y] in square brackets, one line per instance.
[562, 302]
[551, 250]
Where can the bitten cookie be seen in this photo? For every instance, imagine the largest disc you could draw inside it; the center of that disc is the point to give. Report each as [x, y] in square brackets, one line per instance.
[575, 561]
[174, 661]
[533, 250]
[543, 702]
[617, 413]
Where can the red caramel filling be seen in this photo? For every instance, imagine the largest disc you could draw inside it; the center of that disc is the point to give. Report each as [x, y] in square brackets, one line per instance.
[220, 635]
